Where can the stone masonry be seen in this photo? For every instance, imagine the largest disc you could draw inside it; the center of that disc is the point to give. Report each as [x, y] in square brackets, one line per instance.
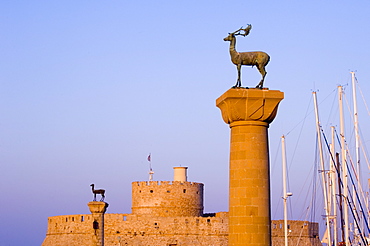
[249, 112]
[167, 199]
[163, 214]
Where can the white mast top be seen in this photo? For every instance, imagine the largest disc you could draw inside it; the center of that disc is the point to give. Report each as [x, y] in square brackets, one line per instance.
[344, 166]
[355, 116]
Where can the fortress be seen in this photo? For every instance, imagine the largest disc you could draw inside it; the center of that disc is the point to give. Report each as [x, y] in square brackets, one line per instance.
[170, 213]
[165, 213]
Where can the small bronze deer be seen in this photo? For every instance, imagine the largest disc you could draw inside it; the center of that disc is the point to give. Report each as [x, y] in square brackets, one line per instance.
[256, 58]
[100, 191]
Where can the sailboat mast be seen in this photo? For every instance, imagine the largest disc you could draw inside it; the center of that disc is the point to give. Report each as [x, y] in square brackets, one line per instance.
[285, 196]
[344, 166]
[355, 117]
[357, 142]
[323, 176]
[333, 186]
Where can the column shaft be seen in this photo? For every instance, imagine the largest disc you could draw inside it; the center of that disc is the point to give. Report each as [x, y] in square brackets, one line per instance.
[249, 198]
[249, 113]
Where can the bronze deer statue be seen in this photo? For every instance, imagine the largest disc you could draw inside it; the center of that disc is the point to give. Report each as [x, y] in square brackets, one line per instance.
[256, 58]
[100, 191]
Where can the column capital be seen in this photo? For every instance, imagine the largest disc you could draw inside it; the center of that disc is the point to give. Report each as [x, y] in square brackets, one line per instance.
[240, 104]
[98, 207]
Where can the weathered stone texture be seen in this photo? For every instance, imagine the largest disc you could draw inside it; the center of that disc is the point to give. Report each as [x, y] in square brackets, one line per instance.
[301, 233]
[129, 229]
[167, 199]
[249, 113]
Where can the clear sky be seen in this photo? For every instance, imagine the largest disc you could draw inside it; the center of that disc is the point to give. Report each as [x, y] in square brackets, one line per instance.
[89, 88]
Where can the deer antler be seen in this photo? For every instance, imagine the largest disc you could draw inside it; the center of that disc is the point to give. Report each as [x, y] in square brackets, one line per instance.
[246, 30]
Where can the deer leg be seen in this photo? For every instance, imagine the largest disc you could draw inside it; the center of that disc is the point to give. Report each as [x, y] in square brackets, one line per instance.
[263, 72]
[238, 82]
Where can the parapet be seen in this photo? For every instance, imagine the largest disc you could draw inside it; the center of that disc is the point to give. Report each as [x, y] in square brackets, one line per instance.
[296, 228]
[162, 183]
[302, 233]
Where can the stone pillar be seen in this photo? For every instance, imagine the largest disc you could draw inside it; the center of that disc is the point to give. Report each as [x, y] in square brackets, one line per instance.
[97, 210]
[249, 113]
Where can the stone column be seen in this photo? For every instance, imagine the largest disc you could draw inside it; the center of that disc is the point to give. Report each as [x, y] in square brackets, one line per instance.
[249, 113]
[97, 210]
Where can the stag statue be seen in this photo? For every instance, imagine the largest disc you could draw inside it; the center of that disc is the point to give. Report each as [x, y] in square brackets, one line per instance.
[256, 58]
[100, 191]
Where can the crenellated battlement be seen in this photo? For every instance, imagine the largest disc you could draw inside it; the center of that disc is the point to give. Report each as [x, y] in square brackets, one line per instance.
[65, 223]
[163, 183]
[69, 223]
[81, 223]
[296, 228]
[303, 233]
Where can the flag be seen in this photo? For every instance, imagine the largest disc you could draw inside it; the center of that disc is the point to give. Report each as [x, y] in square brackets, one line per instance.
[149, 157]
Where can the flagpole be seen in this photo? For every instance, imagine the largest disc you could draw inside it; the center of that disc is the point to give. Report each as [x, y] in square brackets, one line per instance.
[150, 167]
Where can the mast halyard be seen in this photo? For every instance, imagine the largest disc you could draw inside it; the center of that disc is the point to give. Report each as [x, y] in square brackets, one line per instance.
[332, 184]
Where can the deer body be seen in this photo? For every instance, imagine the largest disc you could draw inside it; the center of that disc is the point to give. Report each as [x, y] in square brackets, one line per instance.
[99, 191]
[257, 58]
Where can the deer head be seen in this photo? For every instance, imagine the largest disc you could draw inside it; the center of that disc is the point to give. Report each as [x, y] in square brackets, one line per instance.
[238, 32]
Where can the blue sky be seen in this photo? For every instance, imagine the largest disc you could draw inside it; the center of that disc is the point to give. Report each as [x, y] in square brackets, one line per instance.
[89, 88]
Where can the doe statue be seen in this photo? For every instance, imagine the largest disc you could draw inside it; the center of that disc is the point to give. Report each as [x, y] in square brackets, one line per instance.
[256, 58]
[99, 191]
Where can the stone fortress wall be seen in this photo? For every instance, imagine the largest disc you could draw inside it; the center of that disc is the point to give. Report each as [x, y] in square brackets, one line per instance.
[130, 229]
[299, 232]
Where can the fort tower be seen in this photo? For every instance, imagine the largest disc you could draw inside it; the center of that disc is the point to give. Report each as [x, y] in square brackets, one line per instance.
[166, 198]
